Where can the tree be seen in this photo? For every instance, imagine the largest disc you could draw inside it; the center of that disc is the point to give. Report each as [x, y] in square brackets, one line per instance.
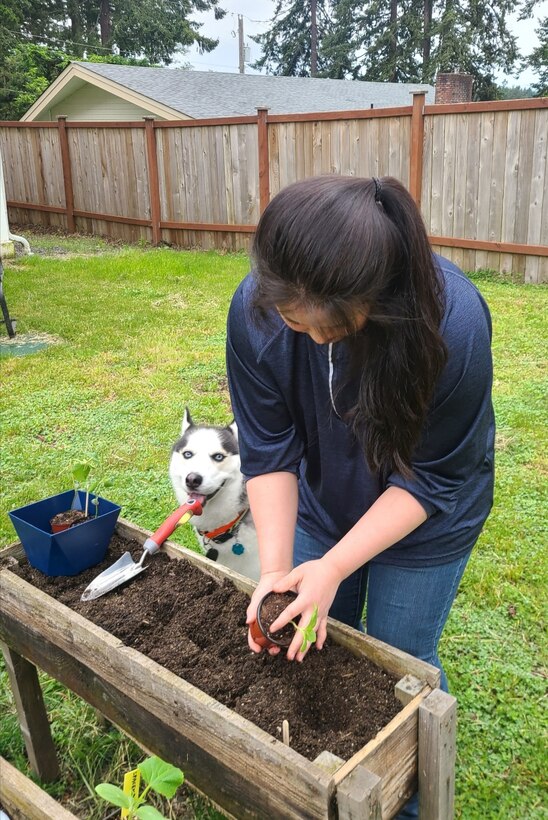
[395, 40]
[25, 73]
[292, 46]
[28, 69]
[538, 60]
[38, 38]
[153, 29]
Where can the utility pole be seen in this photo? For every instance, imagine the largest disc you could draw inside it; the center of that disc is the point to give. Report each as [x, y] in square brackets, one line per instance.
[241, 43]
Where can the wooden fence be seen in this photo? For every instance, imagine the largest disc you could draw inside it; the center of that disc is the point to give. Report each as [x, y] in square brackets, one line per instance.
[478, 170]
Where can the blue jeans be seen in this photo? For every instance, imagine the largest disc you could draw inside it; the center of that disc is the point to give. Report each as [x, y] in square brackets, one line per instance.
[407, 607]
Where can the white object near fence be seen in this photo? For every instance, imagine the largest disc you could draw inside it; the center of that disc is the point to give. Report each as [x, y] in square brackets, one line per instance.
[7, 238]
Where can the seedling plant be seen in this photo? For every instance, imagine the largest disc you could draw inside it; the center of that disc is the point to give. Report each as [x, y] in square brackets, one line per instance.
[308, 631]
[81, 476]
[160, 777]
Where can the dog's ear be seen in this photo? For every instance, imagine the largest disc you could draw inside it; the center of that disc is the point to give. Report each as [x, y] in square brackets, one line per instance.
[233, 429]
[187, 422]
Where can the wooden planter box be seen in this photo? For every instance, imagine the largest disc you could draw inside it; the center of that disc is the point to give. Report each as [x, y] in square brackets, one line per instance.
[24, 800]
[241, 768]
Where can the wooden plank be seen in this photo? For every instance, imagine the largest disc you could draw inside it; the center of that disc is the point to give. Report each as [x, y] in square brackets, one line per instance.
[24, 800]
[512, 172]
[359, 796]
[392, 755]
[523, 192]
[32, 715]
[264, 170]
[484, 176]
[260, 775]
[426, 195]
[328, 761]
[408, 688]
[498, 176]
[437, 754]
[490, 106]
[416, 147]
[493, 247]
[328, 116]
[436, 193]
[67, 172]
[448, 177]
[193, 226]
[459, 198]
[537, 229]
[472, 177]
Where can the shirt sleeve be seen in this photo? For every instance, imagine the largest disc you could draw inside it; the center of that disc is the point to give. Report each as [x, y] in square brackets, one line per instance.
[267, 436]
[457, 438]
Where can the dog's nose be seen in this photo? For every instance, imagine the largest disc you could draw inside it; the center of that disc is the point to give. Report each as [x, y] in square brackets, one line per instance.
[193, 481]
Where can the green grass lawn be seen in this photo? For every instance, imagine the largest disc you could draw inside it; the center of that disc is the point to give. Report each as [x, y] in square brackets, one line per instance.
[133, 336]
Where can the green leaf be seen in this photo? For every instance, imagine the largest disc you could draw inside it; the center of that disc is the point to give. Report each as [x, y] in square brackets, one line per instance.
[162, 777]
[113, 795]
[309, 634]
[149, 813]
[80, 472]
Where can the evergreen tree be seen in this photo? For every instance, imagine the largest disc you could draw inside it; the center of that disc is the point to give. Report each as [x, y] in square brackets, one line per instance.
[538, 60]
[38, 38]
[287, 46]
[395, 40]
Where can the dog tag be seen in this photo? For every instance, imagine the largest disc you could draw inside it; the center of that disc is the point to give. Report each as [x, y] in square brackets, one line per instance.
[238, 549]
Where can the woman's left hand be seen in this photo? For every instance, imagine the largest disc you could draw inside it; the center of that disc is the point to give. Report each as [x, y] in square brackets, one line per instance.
[315, 585]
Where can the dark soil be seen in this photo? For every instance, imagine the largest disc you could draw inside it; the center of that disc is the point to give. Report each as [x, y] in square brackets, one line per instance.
[189, 623]
[70, 518]
[270, 607]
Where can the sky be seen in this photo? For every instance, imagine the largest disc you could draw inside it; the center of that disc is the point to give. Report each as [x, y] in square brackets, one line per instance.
[256, 17]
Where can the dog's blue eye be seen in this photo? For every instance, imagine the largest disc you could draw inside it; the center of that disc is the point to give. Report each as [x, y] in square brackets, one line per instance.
[218, 457]
[187, 454]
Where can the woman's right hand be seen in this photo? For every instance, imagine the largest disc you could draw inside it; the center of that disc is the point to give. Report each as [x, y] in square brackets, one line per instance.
[266, 582]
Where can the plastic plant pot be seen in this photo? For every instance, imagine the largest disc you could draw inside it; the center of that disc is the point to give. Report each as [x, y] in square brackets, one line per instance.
[70, 551]
[274, 603]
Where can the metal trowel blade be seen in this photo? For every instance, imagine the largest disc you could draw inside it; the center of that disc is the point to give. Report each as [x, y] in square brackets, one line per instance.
[121, 571]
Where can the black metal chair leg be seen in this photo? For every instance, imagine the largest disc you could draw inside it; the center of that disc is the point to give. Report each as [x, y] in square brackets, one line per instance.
[7, 320]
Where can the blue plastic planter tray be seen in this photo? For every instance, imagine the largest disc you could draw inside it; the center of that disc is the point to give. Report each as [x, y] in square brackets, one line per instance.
[71, 551]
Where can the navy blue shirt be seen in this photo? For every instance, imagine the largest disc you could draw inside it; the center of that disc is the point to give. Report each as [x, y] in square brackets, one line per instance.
[287, 412]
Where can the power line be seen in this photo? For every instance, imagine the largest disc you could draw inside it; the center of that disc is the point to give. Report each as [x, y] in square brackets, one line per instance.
[64, 41]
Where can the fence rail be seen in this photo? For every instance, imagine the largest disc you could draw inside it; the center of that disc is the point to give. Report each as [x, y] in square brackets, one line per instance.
[478, 171]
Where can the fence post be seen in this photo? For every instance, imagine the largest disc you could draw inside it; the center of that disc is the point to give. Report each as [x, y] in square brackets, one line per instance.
[264, 161]
[67, 171]
[417, 146]
[153, 179]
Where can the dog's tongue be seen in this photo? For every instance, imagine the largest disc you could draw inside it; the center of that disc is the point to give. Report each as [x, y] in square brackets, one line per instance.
[197, 497]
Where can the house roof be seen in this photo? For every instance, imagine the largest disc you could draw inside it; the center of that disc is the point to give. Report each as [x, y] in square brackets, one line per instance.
[200, 94]
[203, 94]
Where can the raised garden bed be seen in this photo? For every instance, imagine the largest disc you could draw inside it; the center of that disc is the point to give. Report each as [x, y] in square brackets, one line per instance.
[22, 799]
[168, 673]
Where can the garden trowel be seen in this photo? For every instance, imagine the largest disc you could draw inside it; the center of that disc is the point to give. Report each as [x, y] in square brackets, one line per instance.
[125, 567]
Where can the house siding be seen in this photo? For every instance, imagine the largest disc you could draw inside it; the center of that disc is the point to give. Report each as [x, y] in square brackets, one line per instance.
[91, 103]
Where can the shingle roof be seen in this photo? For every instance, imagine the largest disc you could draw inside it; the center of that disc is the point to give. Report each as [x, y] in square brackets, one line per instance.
[201, 94]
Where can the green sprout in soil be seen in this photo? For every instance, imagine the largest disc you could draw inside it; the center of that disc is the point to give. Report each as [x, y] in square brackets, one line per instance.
[81, 476]
[160, 777]
[309, 633]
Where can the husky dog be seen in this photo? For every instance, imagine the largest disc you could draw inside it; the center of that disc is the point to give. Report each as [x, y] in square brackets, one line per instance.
[206, 460]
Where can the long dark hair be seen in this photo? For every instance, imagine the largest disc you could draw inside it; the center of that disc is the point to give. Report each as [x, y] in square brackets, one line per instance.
[341, 243]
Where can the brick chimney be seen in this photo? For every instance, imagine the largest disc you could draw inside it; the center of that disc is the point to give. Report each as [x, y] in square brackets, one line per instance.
[453, 88]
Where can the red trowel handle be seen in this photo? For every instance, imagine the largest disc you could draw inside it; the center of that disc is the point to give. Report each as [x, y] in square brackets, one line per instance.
[192, 506]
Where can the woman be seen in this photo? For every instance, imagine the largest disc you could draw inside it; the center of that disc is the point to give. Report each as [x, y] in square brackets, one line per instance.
[360, 375]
